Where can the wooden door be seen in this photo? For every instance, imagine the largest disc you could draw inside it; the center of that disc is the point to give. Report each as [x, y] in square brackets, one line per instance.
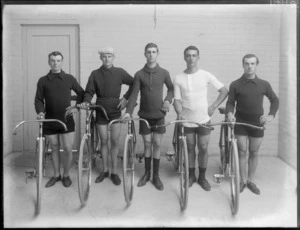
[38, 42]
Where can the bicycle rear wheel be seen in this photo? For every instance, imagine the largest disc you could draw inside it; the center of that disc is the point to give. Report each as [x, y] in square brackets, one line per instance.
[176, 145]
[223, 147]
[39, 173]
[184, 174]
[128, 169]
[84, 169]
[234, 174]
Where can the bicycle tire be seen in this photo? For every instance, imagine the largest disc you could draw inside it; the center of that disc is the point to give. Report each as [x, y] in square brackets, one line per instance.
[183, 174]
[94, 142]
[223, 146]
[176, 145]
[234, 177]
[84, 169]
[39, 174]
[128, 169]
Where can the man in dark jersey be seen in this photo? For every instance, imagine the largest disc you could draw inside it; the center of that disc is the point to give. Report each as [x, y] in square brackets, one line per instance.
[150, 81]
[246, 97]
[52, 97]
[106, 83]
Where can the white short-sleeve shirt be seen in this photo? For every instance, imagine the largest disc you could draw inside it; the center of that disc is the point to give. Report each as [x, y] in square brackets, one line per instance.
[191, 89]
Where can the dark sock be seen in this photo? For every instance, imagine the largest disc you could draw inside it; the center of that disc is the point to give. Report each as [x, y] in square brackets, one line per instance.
[191, 171]
[202, 173]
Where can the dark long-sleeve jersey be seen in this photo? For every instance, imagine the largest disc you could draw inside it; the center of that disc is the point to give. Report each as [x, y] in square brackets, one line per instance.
[53, 94]
[150, 83]
[246, 96]
[106, 84]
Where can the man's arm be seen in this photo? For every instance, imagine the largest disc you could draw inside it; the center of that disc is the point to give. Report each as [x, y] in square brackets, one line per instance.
[178, 108]
[133, 96]
[170, 93]
[78, 90]
[89, 89]
[128, 80]
[39, 100]
[230, 104]
[223, 92]
[274, 105]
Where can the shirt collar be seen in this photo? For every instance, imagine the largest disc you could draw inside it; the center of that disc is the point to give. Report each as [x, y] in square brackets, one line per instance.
[152, 70]
[245, 80]
[104, 69]
[51, 75]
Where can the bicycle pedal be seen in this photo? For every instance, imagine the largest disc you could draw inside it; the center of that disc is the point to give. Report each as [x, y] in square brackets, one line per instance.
[170, 155]
[218, 178]
[30, 173]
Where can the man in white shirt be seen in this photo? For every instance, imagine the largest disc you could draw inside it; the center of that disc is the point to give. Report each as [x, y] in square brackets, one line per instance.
[190, 94]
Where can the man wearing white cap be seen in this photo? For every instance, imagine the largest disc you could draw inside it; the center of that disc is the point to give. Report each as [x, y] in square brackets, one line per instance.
[106, 83]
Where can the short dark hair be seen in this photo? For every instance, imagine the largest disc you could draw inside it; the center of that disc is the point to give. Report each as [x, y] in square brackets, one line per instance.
[55, 53]
[151, 45]
[250, 56]
[191, 48]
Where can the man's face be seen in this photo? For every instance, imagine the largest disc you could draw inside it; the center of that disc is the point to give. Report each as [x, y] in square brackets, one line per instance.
[250, 65]
[55, 63]
[107, 59]
[151, 55]
[191, 58]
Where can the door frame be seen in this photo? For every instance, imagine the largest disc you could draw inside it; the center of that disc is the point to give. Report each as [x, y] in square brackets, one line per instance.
[25, 77]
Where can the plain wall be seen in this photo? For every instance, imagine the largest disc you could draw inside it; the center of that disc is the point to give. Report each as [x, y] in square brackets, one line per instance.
[223, 34]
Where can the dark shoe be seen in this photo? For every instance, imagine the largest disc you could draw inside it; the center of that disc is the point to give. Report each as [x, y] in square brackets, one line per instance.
[242, 186]
[101, 177]
[52, 181]
[192, 179]
[144, 179]
[66, 181]
[204, 184]
[115, 179]
[157, 182]
[253, 187]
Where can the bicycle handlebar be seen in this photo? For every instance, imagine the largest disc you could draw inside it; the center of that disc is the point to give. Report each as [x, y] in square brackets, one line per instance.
[41, 120]
[72, 109]
[129, 119]
[237, 123]
[182, 121]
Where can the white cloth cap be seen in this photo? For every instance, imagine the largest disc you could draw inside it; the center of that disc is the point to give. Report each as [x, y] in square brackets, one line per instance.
[106, 50]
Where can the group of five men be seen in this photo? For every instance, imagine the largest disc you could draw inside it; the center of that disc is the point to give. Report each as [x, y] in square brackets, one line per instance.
[189, 91]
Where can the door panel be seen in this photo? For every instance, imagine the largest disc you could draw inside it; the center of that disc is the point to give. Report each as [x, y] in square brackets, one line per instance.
[38, 42]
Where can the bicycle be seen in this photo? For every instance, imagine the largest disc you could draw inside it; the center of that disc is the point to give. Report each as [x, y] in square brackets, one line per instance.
[88, 150]
[128, 155]
[37, 171]
[181, 157]
[229, 158]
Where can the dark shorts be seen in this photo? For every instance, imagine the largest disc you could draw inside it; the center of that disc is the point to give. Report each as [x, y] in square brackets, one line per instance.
[51, 128]
[101, 120]
[201, 131]
[144, 130]
[248, 131]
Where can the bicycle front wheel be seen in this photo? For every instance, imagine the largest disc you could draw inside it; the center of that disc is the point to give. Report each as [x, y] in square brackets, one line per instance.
[128, 169]
[234, 177]
[183, 173]
[39, 173]
[84, 169]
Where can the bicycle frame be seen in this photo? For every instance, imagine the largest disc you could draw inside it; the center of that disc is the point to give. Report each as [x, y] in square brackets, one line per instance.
[40, 145]
[180, 152]
[128, 155]
[231, 161]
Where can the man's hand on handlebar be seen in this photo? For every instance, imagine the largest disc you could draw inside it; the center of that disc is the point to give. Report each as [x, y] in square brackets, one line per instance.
[40, 116]
[84, 105]
[231, 118]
